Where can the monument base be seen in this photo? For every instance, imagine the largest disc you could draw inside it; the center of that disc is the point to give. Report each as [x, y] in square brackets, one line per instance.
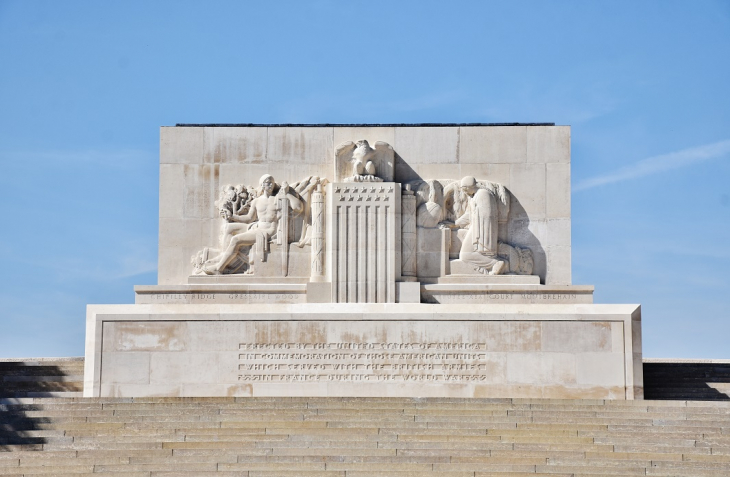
[570, 351]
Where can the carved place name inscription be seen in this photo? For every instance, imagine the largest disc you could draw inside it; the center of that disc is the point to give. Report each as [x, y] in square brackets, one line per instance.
[520, 297]
[362, 362]
[242, 297]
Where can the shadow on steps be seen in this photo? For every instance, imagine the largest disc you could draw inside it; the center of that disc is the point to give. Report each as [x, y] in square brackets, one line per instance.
[41, 377]
[23, 380]
[687, 381]
[17, 429]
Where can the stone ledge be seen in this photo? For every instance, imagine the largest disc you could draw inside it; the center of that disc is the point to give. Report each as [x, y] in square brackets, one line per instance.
[216, 293]
[477, 278]
[686, 361]
[448, 293]
[354, 125]
[39, 361]
[366, 311]
[237, 279]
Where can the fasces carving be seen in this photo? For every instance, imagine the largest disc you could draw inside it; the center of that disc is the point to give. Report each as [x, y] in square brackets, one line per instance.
[317, 241]
[359, 162]
[253, 220]
[409, 240]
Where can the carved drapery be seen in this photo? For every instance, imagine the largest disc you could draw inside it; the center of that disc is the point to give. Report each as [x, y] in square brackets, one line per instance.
[376, 234]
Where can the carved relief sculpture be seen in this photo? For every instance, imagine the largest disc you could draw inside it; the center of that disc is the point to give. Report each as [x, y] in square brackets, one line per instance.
[409, 240]
[478, 211]
[364, 231]
[430, 212]
[253, 219]
[358, 162]
[480, 246]
[317, 236]
[461, 224]
[233, 204]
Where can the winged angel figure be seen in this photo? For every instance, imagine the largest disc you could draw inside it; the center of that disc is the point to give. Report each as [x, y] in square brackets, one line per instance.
[251, 221]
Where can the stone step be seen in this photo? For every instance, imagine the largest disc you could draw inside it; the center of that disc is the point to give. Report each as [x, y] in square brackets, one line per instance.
[65, 434]
[48, 366]
[65, 378]
[44, 377]
[707, 381]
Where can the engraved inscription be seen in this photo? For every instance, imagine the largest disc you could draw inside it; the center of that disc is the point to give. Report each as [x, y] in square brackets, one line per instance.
[227, 297]
[362, 362]
[448, 297]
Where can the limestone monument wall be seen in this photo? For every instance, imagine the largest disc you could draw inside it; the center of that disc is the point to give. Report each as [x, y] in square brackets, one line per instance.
[532, 162]
[398, 260]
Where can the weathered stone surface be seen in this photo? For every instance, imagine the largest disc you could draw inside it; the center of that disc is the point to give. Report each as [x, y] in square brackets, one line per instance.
[377, 350]
[532, 162]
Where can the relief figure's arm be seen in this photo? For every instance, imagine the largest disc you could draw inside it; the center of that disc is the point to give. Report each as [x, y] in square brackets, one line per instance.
[504, 206]
[463, 221]
[294, 202]
[310, 187]
[249, 217]
[448, 214]
[239, 218]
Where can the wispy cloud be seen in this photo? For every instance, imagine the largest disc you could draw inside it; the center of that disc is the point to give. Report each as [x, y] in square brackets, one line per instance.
[656, 164]
[132, 257]
[132, 265]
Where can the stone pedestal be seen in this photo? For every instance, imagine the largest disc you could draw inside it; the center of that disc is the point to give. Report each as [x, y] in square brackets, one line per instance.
[404, 350]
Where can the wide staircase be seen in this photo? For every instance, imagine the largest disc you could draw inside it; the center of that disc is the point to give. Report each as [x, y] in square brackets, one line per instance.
[362, 437]
[358, 437]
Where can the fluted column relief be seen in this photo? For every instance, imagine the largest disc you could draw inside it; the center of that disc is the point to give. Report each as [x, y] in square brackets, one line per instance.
[363, 245]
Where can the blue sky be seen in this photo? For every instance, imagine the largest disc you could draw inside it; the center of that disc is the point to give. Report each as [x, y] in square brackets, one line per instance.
[84, 87]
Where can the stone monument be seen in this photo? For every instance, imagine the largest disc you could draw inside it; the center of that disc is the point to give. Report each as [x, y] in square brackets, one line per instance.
[389, 260]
